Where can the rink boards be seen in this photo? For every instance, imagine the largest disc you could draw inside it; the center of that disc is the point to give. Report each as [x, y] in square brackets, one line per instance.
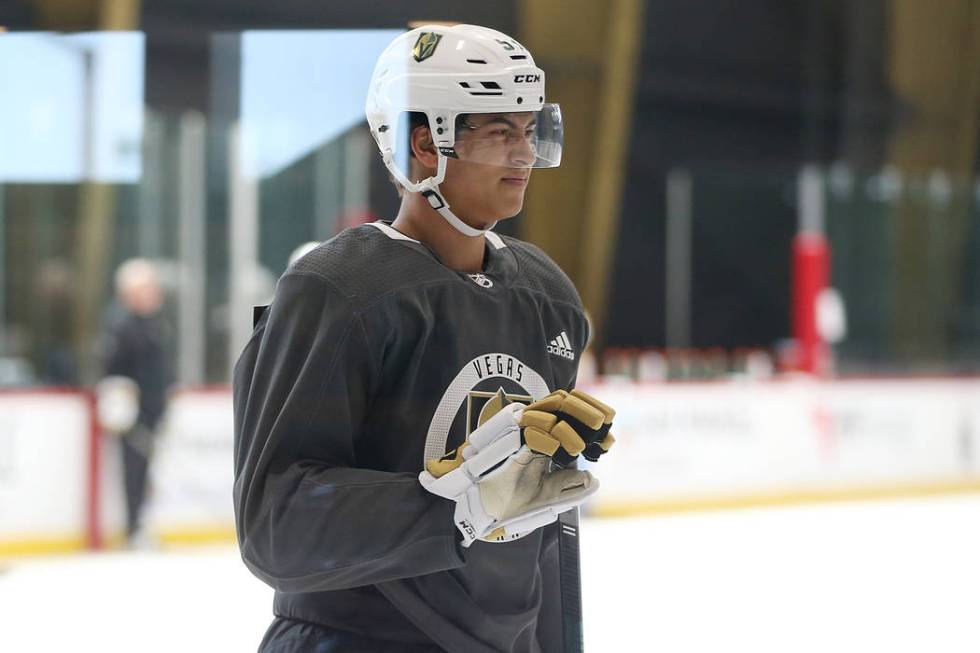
[44, 470]
[679, 446]
[701, 445]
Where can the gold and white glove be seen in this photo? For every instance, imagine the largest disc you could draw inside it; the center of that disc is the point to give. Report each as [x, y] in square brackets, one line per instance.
[505, 487]
[566, 424]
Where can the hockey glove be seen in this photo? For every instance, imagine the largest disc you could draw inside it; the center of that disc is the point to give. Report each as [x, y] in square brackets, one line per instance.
[564, 425]
[503, 488]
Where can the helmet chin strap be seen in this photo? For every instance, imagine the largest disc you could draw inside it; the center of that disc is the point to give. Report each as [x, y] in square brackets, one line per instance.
[437, 202]
[430, 191]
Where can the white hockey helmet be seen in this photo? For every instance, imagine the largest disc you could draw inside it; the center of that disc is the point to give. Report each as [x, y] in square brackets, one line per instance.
[447, 73]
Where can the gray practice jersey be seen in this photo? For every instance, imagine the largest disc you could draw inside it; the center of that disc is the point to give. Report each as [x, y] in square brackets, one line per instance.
[372, 358]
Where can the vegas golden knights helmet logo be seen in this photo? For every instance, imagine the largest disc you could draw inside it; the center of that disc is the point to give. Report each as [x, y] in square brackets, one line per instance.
[425, 46]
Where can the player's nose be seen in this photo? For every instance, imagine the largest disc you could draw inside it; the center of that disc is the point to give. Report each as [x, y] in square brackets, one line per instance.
[522, 153]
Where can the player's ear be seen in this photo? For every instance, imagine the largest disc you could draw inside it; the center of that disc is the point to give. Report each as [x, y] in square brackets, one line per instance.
[423, 147]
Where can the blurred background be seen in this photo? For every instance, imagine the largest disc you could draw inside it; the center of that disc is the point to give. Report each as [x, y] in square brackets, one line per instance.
[771, 210]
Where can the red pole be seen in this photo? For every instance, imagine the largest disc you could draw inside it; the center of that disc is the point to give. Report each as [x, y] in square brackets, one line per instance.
[811, 274]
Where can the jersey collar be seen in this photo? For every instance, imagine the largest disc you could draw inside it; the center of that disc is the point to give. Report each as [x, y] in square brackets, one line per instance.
[500, 262]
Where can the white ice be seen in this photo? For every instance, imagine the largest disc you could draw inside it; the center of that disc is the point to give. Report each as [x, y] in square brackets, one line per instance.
[876, 576]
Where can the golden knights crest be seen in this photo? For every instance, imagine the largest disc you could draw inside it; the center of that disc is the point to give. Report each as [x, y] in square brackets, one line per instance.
[481, 388]
[425, 46]
[481, 406]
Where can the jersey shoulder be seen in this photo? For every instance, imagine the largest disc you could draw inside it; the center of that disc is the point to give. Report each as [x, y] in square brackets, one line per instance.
[539, 273]
[363, 264]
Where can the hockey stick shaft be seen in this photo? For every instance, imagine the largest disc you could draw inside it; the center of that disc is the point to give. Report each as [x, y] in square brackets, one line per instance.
[571, 582]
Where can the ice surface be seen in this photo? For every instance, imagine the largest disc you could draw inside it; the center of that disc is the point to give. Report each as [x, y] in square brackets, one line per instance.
[876, 576]
[883, 577]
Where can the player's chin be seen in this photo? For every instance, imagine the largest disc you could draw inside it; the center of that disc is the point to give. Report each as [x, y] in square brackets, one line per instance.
[508, 209]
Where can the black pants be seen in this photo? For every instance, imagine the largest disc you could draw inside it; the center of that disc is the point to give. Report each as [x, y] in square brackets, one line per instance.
[291, 636]
[137, 450]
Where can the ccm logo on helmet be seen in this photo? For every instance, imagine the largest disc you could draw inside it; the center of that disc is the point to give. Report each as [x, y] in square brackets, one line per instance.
[529, 79]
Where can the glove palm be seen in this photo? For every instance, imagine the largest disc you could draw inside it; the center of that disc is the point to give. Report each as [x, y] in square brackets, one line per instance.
[502, 487]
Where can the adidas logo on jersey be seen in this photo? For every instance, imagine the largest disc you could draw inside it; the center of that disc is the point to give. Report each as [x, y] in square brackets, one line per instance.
[560, 346]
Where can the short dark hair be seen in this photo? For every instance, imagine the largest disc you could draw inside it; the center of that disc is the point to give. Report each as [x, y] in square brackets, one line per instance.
[416, 119]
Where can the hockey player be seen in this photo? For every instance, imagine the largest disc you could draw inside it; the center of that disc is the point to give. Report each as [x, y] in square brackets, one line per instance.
[405, 420]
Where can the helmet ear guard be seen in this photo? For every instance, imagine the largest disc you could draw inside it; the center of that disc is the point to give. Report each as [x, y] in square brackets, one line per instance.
[444, 72]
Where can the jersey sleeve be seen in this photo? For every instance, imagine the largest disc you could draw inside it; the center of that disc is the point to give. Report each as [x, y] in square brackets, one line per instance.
[307, 518]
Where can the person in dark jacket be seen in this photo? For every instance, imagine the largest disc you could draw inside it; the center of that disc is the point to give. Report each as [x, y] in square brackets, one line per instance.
[136, 346]
[405, 416]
